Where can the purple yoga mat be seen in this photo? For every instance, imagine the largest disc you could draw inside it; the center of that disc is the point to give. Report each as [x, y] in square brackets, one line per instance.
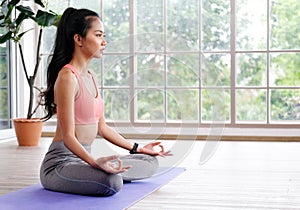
[37, 198]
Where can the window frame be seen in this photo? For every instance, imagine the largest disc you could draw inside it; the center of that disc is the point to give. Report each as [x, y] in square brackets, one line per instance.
[232, 88]
[12, 90]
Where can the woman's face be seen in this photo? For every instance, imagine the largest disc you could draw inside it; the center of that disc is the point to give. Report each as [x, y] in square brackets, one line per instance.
[94, 43]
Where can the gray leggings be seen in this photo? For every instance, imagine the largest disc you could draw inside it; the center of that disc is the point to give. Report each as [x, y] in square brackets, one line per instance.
[63, 171]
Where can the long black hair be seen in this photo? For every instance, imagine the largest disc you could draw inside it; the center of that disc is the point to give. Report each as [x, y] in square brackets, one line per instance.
[73, 21]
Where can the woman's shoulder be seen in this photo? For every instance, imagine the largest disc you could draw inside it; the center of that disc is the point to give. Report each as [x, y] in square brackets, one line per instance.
[66, 75]
[66, 83]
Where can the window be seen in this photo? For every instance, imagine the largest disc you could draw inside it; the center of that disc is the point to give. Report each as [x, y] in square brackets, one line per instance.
[5, 112]
[4, 89]
[174, 62]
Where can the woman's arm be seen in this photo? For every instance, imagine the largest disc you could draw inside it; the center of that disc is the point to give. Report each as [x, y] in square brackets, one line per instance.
[114, 137]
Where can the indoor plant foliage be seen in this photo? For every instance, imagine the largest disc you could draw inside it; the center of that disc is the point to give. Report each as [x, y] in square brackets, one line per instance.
[13, 25]
[12, 16]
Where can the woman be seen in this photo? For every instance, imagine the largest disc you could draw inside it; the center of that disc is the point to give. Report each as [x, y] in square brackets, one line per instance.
[73, 96]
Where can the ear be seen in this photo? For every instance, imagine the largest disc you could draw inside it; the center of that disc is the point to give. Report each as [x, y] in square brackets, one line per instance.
[78, 40]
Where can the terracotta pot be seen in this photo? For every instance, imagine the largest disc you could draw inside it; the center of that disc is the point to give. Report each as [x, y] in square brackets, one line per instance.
[28, 131]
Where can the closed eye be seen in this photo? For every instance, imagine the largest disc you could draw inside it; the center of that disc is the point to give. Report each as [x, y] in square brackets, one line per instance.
[100, 35]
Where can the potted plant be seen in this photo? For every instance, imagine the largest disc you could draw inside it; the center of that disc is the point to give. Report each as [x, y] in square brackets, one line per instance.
[12, 16]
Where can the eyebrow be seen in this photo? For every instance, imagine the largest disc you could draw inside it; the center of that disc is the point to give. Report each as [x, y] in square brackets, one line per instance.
[100, 31]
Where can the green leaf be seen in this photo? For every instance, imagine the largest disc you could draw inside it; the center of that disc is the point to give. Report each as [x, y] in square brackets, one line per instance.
[12, 2]
[20, 19]
[39, 2]
[44, 18]
[22, 34]
[8, 11]
[57, 19]
[5, 37]
[26, 10]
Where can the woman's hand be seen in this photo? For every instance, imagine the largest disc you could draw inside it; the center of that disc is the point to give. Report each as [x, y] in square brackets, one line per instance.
[111, 164]
[149, 149]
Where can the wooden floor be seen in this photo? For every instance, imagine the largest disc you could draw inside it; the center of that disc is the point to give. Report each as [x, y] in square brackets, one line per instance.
[238, 175]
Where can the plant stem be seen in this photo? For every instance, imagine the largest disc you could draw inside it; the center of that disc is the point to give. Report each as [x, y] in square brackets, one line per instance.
[31, 95]
[23, 63]
[31, 79]
[38, 57]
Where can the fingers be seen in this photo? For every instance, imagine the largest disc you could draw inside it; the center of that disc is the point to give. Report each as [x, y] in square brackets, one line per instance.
[118, 166]
[115, 165]
[127, 167]
[109, 158]
[112, 164]
[149, 149]
[162, 148]
[162, 151]
[164, 154]
[155, 143]
[168, 153]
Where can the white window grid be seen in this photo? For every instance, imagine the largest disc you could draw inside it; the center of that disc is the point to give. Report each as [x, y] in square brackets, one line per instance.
[232, 88]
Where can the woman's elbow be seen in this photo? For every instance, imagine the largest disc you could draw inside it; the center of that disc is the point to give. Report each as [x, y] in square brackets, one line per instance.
[102, 127]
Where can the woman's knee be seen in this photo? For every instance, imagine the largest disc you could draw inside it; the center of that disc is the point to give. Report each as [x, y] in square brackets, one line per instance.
[97, 183]
[113, 185]
[148, 161]
[143, 166]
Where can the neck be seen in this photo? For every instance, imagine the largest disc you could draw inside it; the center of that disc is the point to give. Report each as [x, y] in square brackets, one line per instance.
[80, 64]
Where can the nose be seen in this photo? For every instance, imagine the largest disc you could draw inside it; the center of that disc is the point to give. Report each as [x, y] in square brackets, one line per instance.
[103, 43]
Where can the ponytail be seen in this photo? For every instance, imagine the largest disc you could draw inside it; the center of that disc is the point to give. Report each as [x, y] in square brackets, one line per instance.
[73, 21]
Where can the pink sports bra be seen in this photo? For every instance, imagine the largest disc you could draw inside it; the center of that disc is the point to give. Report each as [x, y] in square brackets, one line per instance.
[88, 109]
